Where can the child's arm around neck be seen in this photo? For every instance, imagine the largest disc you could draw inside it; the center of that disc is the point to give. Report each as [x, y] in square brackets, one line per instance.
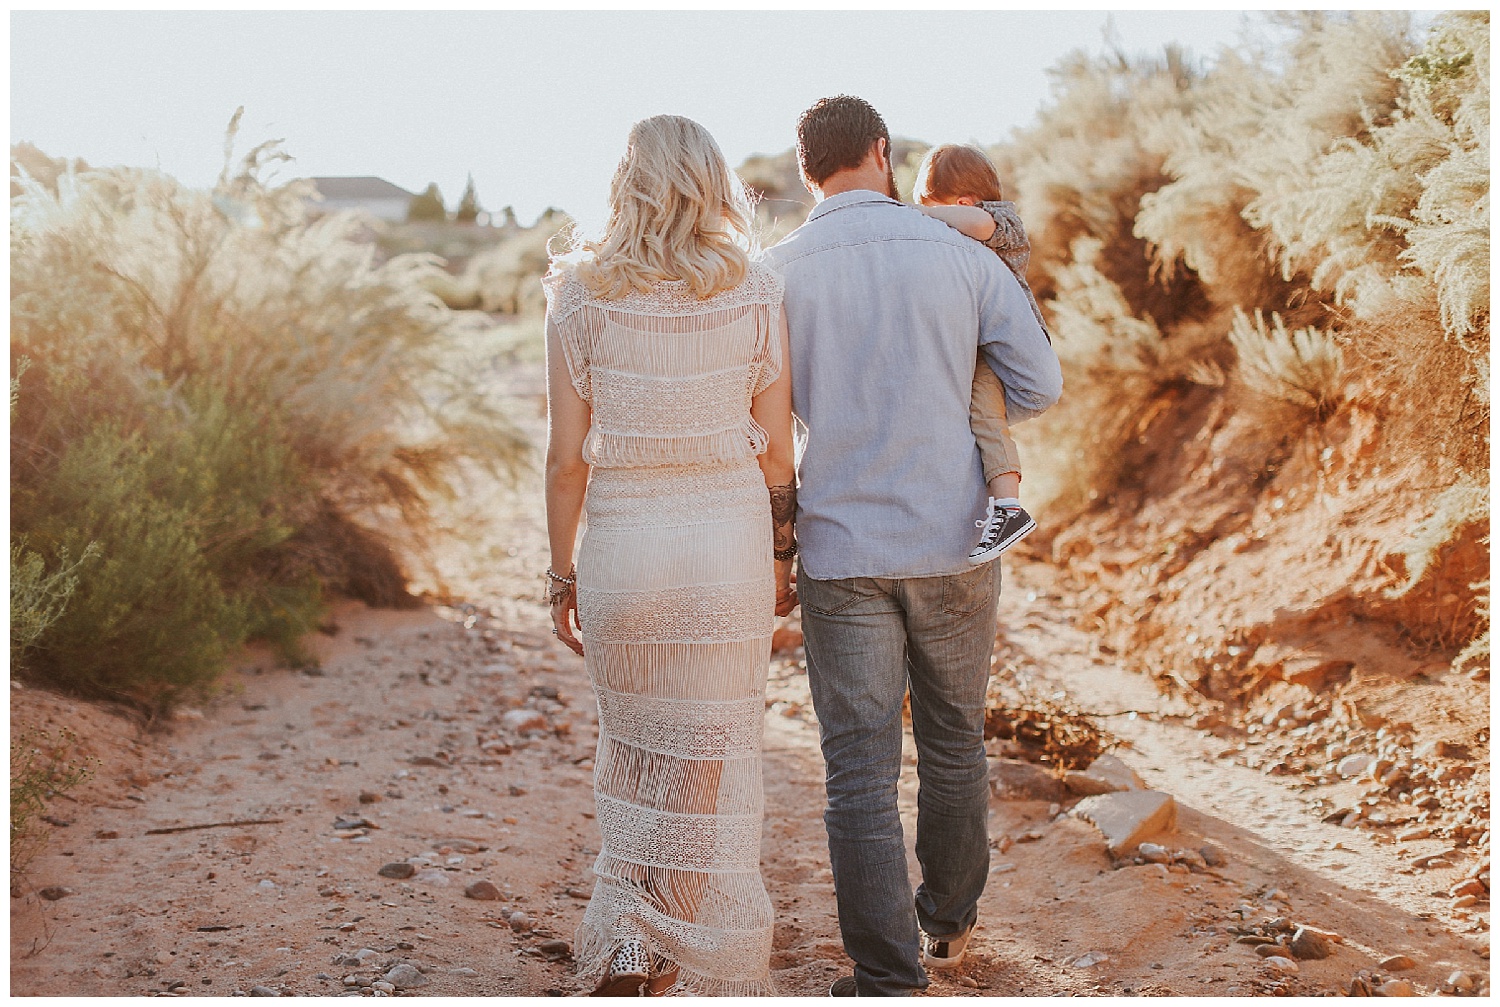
[970, 220]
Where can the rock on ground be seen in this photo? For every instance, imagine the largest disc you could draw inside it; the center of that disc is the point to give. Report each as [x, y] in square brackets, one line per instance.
[1105, 775]
[1017, 780]
[405, 976]
[1128, 817]
[1307, 944]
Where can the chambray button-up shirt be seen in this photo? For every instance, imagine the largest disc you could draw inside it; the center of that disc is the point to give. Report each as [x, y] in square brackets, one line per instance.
[888, 310]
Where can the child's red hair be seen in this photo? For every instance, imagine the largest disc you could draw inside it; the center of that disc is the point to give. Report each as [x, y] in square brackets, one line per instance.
[953, 170]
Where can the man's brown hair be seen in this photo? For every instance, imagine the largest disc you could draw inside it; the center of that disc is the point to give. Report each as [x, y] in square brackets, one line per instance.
[835, 134]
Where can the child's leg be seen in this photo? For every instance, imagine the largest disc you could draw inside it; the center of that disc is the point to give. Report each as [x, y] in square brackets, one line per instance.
[1006, 486]
[997, 451]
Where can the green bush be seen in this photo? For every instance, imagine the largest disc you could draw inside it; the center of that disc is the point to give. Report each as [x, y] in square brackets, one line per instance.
[192, 516]
[150, 622]
[38, 597]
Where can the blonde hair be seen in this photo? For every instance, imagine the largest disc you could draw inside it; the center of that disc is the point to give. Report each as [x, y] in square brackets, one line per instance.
[676, 212]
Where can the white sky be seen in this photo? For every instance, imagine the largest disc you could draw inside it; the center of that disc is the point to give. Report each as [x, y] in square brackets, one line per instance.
[536, 105]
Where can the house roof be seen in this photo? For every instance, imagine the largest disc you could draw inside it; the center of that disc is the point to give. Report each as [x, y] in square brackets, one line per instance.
[359, 187]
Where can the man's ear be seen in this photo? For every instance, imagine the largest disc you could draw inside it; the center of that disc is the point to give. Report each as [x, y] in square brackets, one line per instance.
[881, 148]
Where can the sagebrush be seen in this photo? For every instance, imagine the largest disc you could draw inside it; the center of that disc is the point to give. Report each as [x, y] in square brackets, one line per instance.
[43, 765]
[237, 401]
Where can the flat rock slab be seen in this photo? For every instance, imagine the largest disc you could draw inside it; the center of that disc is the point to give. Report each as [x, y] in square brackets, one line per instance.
[1107, 774]
[1127, 817]
[1016, 780]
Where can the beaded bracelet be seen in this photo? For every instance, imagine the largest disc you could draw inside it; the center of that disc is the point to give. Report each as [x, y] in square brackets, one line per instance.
[782, 555]
[560, 588]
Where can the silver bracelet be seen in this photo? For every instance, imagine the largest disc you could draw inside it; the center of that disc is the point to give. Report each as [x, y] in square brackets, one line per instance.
[571, 578]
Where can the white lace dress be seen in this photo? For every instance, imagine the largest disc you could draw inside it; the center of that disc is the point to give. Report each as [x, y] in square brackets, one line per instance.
[676, 599]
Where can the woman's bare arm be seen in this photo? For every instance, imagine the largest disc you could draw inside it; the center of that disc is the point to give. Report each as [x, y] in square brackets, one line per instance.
[772, 409]
[567, 479]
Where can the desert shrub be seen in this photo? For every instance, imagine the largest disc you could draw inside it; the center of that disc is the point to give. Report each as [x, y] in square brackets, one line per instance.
[38, 596]
[457, 292]
[1083, 169]
[507, 277]
[1097, 331]
[150, 622]
[259, 398]
[42, 766]
[26, 160]
[1307, 220]
[1123, 327]
[1476, 653]
[1250, 179]
[1457, 507]
[1303, 367]
[1448, 90]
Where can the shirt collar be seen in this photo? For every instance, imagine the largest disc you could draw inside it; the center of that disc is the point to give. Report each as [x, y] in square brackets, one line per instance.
[853, 197]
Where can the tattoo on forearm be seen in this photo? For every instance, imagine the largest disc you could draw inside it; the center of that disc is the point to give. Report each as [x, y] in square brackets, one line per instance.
[783, 515]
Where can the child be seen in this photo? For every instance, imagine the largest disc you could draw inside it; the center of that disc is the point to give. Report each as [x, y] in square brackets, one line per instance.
[958, 185]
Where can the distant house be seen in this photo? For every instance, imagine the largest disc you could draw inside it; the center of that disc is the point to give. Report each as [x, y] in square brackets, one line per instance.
[376, 196]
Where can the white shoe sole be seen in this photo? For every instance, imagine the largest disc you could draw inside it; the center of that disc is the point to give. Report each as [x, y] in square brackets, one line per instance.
[944, 963]
[978, 559]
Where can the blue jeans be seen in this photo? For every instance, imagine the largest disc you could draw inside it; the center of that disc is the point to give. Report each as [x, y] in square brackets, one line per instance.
[868, 640]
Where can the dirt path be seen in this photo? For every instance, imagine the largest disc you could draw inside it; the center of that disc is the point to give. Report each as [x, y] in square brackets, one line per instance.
[463, 737]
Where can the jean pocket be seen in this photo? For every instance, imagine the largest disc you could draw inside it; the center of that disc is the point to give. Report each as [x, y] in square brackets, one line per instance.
[830, 597]
[967, 593]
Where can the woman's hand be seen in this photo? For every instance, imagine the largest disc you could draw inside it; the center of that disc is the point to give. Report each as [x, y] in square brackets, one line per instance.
[564, 605]
[786, 590]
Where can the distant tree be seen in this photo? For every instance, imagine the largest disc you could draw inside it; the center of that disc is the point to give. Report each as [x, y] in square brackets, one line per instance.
[508, 218]
[468, 205]
[427, 205]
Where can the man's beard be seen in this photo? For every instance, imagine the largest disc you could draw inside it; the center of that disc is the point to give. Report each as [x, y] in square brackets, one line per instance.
[890, 180]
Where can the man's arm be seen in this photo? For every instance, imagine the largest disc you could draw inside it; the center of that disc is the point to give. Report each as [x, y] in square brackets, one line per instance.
[1013, 342]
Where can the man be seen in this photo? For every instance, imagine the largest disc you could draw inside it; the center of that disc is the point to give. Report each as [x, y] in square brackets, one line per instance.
[887, 309]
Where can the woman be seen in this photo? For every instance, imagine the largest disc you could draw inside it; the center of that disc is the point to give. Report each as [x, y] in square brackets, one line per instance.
[669, 414]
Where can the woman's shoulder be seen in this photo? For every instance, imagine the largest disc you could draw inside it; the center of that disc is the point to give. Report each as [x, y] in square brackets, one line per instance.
[565, 292]
[760, 285]
[560, 276]
[762, 282]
